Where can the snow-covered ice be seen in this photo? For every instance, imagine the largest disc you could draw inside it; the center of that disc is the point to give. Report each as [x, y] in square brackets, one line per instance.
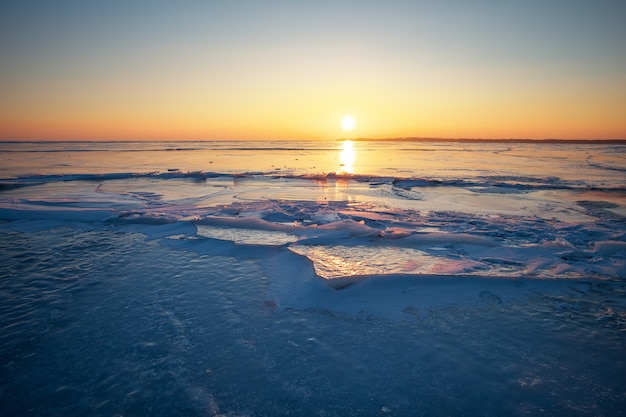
[222, 278]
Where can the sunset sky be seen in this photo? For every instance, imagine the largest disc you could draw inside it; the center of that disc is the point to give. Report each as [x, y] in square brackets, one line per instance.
[116, 70]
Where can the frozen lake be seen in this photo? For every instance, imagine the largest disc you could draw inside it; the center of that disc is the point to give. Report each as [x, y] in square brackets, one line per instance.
[317, 278]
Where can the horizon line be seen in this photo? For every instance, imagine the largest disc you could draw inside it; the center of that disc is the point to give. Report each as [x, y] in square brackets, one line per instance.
[357, 139]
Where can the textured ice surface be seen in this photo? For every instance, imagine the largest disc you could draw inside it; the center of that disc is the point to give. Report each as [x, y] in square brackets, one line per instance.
[541, 237]
[443, 285]
[107, 323]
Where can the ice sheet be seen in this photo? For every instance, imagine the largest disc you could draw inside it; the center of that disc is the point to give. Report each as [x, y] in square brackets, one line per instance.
[438, 279]
[370, 226]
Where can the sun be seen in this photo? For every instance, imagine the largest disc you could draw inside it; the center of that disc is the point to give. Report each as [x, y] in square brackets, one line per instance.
[348, 123]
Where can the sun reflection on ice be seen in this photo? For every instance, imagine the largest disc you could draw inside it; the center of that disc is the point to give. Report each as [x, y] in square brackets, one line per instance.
[347, 157]
[338, 261]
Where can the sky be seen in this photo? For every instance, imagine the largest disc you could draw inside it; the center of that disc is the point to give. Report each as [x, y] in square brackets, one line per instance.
[205, 70]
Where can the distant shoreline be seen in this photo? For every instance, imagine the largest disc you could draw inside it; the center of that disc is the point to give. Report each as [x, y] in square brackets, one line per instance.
[480, 140]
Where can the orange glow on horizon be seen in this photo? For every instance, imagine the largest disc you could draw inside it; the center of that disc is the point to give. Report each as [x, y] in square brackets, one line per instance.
[384, 115]
[318, 126]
